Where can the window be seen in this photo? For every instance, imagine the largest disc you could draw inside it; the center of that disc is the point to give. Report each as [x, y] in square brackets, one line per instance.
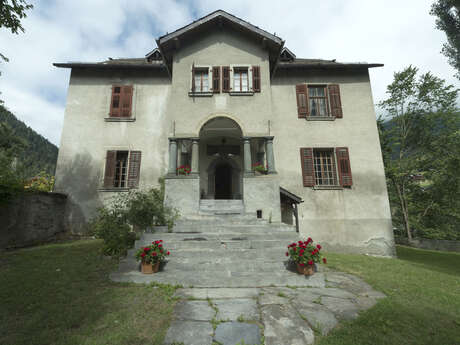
[200, 80]
[240, 80]
[122, 169]
[121, 101]
[318, 102]
[319, 167]
[324, 166]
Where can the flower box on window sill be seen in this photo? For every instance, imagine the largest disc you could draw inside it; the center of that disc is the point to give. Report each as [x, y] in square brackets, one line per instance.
[241, 93]
[320, 118]
[200, 94]
[120, 119]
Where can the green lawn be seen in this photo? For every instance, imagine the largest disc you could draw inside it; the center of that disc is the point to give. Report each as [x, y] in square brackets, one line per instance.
[423, 303]
[61, 294]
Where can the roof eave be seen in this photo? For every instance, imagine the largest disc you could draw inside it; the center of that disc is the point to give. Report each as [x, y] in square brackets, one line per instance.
[328, 66]
[107, 66]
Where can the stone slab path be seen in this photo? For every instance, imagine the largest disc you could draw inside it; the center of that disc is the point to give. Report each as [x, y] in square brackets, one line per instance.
[268, 315]
[237, 285]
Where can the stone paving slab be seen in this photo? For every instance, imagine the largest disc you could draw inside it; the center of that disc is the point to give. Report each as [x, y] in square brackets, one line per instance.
[231, 333]
[189, 333]
[236, 309]
[194, 311]
[204, 293]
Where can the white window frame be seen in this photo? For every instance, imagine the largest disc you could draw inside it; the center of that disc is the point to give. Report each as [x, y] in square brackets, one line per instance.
[250, 91]
[208, 93]
[329, 116]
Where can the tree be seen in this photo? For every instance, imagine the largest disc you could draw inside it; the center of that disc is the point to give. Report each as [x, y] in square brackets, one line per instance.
[11, 13]
[448, 20]
[411, 102]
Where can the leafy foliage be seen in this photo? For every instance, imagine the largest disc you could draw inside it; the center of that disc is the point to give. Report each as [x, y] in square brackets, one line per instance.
[421, 138]
[34, 153]
[305, 253]
[448, 20]
[153, 253]
[43, 182]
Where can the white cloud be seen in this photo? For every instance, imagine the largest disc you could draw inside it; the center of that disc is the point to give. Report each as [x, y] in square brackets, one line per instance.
[396, 33]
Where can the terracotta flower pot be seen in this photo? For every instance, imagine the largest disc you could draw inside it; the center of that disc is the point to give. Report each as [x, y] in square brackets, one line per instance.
[306, 270]
[149, 268]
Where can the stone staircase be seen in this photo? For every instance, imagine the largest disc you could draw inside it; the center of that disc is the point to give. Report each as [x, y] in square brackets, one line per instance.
[222, 247]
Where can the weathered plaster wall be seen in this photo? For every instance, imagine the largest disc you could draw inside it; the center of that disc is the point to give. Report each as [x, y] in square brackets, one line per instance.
[86, 136]
[263, 193]
[348, 220]
[32, 218]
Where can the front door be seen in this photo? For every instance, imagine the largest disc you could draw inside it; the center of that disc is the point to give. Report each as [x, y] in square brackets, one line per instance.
[223, 180]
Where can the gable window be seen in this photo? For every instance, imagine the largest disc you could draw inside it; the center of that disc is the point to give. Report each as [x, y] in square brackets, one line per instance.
[201, 80]
[240, 80]
[326, 167]
[318, 102]
[122, 169]
[121, 101]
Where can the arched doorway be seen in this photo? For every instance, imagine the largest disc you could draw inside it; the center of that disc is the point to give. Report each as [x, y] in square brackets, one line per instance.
[221, 159]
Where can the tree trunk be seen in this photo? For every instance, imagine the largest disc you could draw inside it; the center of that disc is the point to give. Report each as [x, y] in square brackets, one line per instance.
[404, 207]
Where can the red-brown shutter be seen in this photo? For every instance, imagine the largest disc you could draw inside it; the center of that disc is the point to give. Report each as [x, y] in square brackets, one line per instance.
[308, 172]
[225, 79]
[126, 100]
[193, 77]
[343, 162]
[334, 97]
[115, 101]
[302, 100]
[216, 79]
[256, 78]
[134, 169]
[110, 165]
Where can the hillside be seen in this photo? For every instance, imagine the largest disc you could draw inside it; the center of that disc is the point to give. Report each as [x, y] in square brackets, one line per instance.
[39, 154]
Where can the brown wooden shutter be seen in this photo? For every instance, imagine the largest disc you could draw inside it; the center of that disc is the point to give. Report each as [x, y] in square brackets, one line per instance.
[343, 162]
[134, 169]
[256, 78]
[126, 100]
[308, 172]
[302, 100]
[225, 79]
[115, 101]
[336, 104]
[216, 79]
[110, 165]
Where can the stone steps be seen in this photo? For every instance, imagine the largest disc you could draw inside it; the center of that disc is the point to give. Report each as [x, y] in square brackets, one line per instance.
[234, 236]
[221, 207]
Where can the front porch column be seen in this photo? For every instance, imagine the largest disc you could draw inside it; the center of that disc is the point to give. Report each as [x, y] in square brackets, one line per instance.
[195, 156]
[172, 156]
[270, 155]
[247, 157]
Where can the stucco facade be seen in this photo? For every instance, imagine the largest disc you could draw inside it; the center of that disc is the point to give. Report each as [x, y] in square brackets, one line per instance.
[227, 132]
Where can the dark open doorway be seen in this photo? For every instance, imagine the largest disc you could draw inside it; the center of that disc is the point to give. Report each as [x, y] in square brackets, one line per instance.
[223, 178]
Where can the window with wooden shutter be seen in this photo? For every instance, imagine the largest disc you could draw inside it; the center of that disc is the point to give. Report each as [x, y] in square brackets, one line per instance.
[256, 78]
[225, 79]
[216, 79]
[110, 165]
[308, 173]
[334, 97]
[324, 166]
[317, 101]
[134, 169]
[121, 102]
[343, 162]
[302, 100]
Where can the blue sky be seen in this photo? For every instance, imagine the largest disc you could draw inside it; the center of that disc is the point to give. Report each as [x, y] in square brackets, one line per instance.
[394, 32]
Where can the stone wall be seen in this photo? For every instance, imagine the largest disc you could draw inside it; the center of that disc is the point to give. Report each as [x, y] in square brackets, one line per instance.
[430, 244]
[32, 218]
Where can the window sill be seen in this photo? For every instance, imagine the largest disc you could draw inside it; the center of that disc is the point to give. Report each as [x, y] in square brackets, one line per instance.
[201, 94]
[114, 189]
[119, 119]
[241, 93]
[320, 118]
[328, 188]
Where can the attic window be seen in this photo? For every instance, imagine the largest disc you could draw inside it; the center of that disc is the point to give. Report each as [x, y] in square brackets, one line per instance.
[155, 55]
[287, 55]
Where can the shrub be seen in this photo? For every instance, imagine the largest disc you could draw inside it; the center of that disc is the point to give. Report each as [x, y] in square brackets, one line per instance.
[43, 182]
[305, 253]
[153, 253]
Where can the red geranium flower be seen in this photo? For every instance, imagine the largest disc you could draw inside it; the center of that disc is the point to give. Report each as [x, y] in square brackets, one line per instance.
[167, 253]
[310, 262]
[324, 260]
[309, 240]
[318, 246]
[156, 242]
[301, 264]
[160, 245]
[154, 254]
[146, 249]
[287, 254]
[143, 254]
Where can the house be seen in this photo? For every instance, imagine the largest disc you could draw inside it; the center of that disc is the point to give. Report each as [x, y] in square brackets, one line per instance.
[214, 105]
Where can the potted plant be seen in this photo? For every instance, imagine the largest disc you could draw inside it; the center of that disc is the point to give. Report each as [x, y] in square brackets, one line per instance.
[151, 257]
[305, 254]
[259, 168]
[183, 170]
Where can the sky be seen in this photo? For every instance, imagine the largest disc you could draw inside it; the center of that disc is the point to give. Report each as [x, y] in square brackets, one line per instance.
[394, 32]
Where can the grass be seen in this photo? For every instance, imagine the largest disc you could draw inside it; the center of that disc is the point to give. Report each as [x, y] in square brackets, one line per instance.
[61, 294]
[423, 303]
